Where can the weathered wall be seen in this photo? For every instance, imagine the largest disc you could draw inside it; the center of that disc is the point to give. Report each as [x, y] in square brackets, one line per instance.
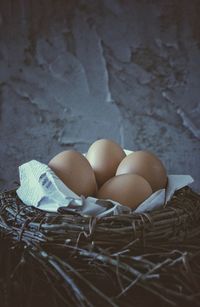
[74, 71]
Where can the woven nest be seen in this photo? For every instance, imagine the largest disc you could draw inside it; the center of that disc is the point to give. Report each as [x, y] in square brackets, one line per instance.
[60, 259]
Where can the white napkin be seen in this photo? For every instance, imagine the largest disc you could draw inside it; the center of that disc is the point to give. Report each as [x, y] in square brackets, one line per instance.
[41, 188]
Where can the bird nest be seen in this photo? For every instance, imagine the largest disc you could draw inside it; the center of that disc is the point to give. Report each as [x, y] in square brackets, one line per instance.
[64, 259]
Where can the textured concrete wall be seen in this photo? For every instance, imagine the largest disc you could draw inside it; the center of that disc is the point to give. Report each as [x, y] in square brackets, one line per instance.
[75, 71]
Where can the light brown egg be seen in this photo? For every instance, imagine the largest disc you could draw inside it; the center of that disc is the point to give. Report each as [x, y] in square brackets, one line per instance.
[75, 171]
[128, 189]
[104, 156]
[147, 165]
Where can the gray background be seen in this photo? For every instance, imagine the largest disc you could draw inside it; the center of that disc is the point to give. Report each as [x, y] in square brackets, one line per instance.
[75, 71]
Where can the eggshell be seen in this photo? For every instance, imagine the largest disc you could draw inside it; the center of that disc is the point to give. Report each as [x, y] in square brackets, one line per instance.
[104, 156]
[75, 171]
[147, 165]
[128, 189]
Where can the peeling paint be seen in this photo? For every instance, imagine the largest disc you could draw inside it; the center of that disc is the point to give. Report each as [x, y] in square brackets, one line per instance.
[187, 122]
[74, 71]
[70, 41]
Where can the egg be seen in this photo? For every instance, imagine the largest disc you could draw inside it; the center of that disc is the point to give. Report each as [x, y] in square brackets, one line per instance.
[104, 156]
[75, 171]
[128, 189]
[147, 165]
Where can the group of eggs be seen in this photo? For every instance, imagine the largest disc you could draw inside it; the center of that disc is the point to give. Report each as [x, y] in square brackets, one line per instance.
[106, 172]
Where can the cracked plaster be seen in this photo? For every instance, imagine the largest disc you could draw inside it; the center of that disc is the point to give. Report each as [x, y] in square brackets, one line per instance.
[74, 71]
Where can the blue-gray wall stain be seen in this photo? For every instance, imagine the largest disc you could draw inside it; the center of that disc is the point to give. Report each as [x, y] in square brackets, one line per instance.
[75, 71]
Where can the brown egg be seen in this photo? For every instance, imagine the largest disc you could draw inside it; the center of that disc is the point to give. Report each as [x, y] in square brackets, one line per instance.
[128, 189]
[104, 156]
[75, 171]
[146, 165]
